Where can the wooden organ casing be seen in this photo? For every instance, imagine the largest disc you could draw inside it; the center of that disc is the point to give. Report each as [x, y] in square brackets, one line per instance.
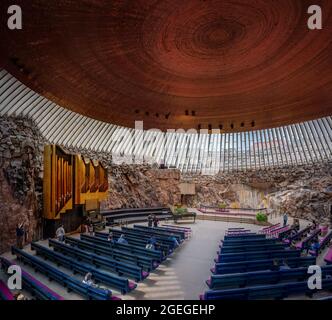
[71, 180]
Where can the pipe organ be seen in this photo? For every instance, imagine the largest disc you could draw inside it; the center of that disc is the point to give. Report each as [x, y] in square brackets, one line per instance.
[70, 180]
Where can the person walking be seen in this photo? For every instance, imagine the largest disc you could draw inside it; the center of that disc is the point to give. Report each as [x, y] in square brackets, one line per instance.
[285, 219]
[60, 233]
[150, 220]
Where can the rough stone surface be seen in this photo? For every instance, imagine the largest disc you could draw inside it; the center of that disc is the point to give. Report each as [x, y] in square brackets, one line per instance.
[303, 191]
[21, 172]
[133, 186]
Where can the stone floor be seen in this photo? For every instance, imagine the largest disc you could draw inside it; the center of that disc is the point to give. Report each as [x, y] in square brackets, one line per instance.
[182, 276]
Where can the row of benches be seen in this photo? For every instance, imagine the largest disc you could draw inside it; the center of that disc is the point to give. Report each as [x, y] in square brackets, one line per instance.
[100, 239]
[257, 255]
[243, 248]
[69, 282]
[31, 284]
[305, 243]
[262, 277]
[110, 279]
[323, 244]
[246, 269]
[137, 241]
[276, 291]
[122, 268]
[255, 265]
[179, 235]
[146, 263]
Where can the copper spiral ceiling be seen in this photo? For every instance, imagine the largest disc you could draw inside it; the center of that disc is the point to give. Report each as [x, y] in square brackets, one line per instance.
[236, 65]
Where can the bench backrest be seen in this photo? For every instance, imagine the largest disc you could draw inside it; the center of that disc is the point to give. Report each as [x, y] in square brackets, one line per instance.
[62, 278]
[266, 264]
[257, 255]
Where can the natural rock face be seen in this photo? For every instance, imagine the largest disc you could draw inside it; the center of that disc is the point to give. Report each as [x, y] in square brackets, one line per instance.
[132, 186]
[21, 172]
[303, 191]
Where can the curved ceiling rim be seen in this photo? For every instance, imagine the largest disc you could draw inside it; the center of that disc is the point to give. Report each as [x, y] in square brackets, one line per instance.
[206, 19]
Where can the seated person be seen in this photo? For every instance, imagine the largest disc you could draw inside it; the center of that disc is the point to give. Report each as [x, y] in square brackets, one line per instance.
[175, 241]
[293, 232]
[153, 240]
[315, 245]
[20, 296]
[122, 239]
[285, 265]
[88, 280]
[150, 246]
[275, 266]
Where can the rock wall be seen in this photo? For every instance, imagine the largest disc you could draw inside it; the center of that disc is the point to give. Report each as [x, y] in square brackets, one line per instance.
[21, 172]
[303, 191]
[142, 186]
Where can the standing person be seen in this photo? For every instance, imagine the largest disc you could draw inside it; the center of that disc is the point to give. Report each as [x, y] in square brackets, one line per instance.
[155, 221]
[150, 220]
[90, 229]
[20, 235]
[110, 237]
[285, 219]
[60, 233]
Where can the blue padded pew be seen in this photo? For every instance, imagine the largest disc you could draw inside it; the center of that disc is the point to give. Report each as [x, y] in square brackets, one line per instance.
[31, 284]
[119, 267]
[306, 242]
[257, 255]
[146, 263]
[247, 279]
[249, 242]
[284, 234]
[323, 244]
[245, 237]
[275, 291]
[136, 240]
[114, 281]
[147, 235]
[302, 233]
[154, 254]
[256, 265]
[71, 283]
[5, 293]
[179, 235]
[262, 247]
